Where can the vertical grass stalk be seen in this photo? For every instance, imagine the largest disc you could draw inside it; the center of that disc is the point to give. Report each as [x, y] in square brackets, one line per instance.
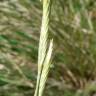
[45, 50]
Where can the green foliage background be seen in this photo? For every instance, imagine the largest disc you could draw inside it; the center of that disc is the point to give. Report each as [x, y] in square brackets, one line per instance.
[74, 57]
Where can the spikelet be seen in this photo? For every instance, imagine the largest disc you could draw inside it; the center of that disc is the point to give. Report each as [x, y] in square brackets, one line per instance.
[44, 54]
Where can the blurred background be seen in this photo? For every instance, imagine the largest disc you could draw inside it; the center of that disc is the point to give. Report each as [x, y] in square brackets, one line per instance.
[73, 28]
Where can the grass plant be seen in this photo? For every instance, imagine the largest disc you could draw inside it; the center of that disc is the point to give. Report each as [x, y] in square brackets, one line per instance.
[73, 28]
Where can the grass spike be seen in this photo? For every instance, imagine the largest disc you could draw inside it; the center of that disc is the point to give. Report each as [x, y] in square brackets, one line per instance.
[44, 55]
